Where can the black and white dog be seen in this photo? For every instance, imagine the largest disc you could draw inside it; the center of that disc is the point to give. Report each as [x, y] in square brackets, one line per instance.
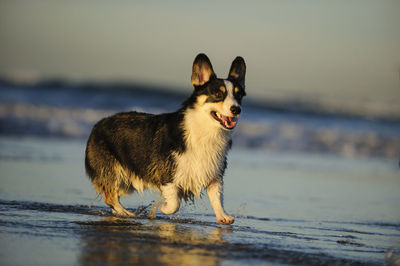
[175, 153]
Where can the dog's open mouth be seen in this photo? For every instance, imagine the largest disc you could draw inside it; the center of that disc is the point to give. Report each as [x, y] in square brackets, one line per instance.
[227, 122]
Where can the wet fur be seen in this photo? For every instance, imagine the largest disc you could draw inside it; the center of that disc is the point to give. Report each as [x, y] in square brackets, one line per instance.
[118, 151]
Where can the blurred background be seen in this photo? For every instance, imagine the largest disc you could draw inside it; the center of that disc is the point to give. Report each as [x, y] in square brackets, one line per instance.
[323, 76]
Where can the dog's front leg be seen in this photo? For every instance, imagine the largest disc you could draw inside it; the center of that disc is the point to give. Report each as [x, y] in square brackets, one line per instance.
[172, 200]
[215, 194]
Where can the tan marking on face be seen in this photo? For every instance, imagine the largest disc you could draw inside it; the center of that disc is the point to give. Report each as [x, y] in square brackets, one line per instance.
[201, 99]
[223, 89]
[236, 89]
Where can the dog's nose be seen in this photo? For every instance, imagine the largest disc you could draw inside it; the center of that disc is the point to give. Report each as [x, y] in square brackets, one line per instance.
[235, 110]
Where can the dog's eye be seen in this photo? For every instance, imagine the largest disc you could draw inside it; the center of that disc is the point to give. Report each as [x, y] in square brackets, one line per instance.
[239, 93]
[218, 94]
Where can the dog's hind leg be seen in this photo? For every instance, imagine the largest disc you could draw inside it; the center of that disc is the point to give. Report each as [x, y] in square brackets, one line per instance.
[112, 200]
[107, 174]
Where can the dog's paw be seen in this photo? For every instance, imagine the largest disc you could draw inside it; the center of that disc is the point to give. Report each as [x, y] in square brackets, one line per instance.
[123, 213]
[168, 208]
[227, 220]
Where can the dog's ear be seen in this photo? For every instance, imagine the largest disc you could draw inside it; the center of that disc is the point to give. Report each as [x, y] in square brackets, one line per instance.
[202, 70]
[238, 70]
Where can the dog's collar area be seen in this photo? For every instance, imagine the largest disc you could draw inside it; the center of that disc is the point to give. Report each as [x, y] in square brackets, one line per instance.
[227, 122]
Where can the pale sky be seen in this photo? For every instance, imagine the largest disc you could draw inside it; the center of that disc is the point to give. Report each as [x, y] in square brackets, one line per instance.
[343, 48]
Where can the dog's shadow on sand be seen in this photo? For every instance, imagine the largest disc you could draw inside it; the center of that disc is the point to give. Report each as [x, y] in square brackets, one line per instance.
[142, 241]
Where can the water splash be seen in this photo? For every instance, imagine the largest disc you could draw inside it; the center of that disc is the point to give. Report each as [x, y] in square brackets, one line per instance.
[156, 205]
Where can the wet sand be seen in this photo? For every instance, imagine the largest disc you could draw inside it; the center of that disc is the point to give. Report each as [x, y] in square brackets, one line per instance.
[289, 208]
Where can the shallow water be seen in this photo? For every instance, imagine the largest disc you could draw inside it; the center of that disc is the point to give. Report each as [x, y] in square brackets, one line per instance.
[289, 209]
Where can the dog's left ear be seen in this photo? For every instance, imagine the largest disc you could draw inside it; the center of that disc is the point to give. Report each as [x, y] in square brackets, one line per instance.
[238, 70]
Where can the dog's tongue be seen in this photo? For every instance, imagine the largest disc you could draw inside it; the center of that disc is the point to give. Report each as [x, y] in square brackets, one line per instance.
[229, 122]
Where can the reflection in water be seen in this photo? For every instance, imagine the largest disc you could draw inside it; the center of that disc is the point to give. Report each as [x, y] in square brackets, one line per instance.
[121, 241]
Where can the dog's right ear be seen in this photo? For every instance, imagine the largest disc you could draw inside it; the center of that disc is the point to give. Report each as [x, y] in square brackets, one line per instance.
[202, 70]
[238, 71]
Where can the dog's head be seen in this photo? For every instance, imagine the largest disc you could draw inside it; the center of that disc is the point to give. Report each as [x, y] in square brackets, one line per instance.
[220, 99]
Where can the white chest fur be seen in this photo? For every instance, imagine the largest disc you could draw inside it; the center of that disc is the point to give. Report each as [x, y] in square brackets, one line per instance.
[203, 160]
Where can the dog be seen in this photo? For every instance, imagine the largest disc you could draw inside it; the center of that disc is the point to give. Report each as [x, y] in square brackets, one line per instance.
[177, 153]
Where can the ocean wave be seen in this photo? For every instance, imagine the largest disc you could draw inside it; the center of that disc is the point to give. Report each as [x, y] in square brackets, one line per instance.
[272, 133]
